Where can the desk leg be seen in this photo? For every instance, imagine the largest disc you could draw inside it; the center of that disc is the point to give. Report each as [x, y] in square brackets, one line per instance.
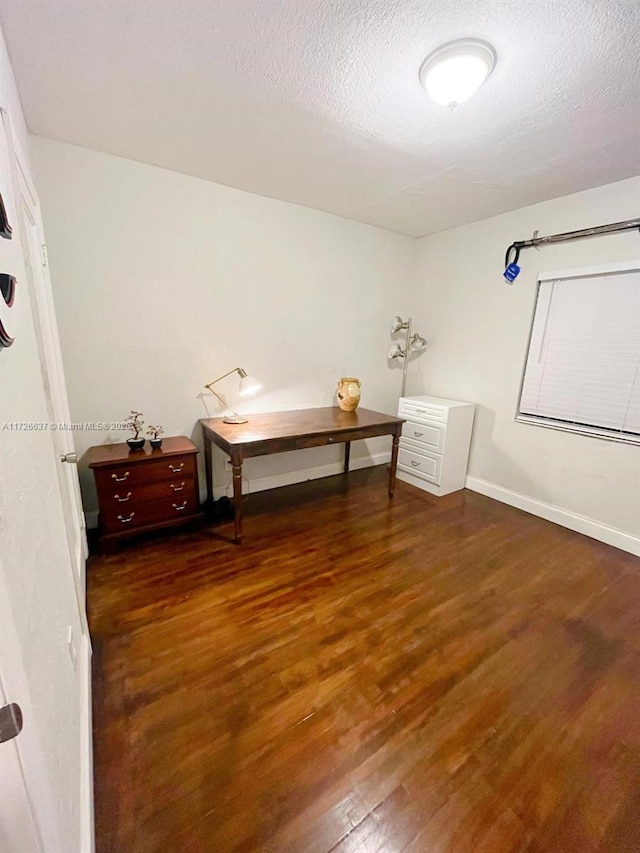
[394, 464]
[208, 471]
[347, 454]
[236, 467]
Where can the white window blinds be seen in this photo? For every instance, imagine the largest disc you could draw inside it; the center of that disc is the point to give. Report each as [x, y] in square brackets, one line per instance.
[583, 366]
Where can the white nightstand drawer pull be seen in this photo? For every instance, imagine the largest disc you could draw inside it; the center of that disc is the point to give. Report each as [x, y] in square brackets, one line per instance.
[120, 479]
[126, 520]
[415, 464]
[182, 506]
[177, 468]
[178, 488]
[421, 411]
[418, 434]
[125, 498]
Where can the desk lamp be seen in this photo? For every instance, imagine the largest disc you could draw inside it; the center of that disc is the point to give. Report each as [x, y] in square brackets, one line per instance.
[248, 386]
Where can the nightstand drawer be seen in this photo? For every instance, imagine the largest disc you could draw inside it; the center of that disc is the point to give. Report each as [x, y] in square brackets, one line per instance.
[133, 473]
[422, 464]
[424, 436]
[132, 515]
[120, 495]
[419, 411]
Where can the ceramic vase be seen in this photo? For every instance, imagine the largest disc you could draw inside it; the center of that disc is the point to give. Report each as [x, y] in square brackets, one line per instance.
[348, 393]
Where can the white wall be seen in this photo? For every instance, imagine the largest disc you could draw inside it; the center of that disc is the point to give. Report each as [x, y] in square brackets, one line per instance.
[163, 282]
[34, 559]
[478, 327]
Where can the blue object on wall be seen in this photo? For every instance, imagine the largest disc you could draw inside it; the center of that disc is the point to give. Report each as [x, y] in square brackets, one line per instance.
[511, 273]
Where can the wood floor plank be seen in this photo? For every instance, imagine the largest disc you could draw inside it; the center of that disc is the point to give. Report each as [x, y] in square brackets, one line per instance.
[361, 674]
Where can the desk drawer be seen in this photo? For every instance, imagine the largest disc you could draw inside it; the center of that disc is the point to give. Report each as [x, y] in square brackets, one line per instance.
[427, 466]
[325, 439]
[424, 436]
[317, 441]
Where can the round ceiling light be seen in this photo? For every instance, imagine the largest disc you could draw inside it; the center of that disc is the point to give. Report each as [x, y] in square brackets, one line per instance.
[454, 72]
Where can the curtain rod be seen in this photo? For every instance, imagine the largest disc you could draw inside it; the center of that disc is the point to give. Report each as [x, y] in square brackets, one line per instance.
[625, 225]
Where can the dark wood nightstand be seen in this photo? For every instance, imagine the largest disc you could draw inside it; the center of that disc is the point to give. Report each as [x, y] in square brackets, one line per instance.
[144, 490]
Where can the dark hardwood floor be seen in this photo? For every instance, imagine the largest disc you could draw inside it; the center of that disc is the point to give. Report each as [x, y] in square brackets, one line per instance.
[367, 675]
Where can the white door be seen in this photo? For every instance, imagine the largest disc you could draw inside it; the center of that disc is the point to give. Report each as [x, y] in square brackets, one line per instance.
[18, 824]
[29, 814]
[18, 833]
[35, 258]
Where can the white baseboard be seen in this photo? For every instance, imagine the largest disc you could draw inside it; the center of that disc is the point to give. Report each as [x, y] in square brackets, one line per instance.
[579, 523]
[274, 481]
[87, 834]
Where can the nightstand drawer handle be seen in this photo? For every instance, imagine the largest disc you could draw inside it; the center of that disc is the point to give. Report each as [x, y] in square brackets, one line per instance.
[422, 411]
[120, 479]
[126, 520]
[415, 464]
[418, 434]
[178, 488]
[125, 498]
[181, 507]
[176, 469]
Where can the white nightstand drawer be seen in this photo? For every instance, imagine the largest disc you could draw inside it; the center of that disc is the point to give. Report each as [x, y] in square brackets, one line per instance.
[425, 436]
[417, 410]
[423, 464]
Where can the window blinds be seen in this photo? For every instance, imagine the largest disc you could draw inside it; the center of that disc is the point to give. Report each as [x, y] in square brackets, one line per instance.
[583, 364]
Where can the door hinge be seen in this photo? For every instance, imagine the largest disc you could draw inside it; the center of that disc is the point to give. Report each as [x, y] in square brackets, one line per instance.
[45, 256]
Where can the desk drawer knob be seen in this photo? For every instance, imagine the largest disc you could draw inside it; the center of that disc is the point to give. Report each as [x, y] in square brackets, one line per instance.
[182, 506]
[122, 500]
[126, 520]
[415, 464]
[176, 468]
[177, 488]
[120, 479]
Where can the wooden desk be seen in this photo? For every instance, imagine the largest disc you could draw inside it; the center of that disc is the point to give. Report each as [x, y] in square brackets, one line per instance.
[277, 432]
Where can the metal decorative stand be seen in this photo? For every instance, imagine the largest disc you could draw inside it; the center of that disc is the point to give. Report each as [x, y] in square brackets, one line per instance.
[414, 343]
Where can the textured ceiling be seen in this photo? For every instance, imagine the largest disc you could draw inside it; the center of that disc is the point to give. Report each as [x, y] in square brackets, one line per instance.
[319, 103]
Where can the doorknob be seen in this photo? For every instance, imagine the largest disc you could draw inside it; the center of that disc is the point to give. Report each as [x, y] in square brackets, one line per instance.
[69, 457]
[10, 722]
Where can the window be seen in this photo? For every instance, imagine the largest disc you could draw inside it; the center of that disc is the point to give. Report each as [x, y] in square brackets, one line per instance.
[582, 371]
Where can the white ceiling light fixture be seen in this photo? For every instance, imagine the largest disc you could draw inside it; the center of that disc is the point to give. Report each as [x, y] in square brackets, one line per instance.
[455, 71]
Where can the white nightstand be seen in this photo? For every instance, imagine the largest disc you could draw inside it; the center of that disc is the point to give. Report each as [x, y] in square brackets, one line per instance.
[434, 448]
